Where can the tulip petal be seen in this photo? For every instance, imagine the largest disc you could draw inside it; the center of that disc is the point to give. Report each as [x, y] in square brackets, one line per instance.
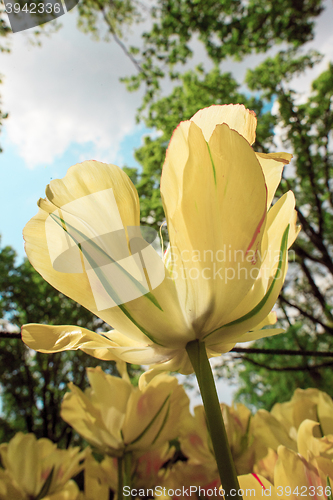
[78, 410]
[154, 315]
[260, 334]
[294, 471]
[56, 338]
[107, 346]
[236, 116]
[270, 255]
[272, 165]
[232, 331]
[206, 218]
[114, 392]
[254, 486]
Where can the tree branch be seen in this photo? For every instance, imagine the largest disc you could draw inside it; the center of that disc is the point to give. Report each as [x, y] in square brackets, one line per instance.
[329, 329]
[284, 352]
[286, 368]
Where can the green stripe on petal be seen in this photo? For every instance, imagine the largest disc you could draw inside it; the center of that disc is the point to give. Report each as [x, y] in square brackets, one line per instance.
[211, 159]
[162, 426]
[46, 486]
[105, 282]
[151, 422]
[141, 289]
[260, 305]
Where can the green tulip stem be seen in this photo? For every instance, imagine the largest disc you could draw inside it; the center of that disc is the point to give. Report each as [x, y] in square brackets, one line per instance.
[127, 469]
[225, 464]
[124, 473]
[120, 478]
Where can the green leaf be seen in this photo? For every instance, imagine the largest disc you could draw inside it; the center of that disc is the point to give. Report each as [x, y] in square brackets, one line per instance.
[46, 486]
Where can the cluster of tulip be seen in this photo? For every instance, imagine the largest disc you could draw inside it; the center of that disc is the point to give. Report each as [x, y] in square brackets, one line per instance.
[168, 452]
[215, 286]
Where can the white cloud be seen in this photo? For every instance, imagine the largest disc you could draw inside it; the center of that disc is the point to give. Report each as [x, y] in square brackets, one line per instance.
[66, 91]
[323, 43]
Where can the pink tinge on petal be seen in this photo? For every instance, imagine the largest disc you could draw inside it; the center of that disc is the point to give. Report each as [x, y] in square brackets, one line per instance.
[143, 404]
[195, 440]
[307, 473]
[257, 231]
[257, 478]
[45, 473]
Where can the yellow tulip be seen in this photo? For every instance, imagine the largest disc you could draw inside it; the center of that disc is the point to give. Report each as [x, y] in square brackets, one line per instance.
[265, 466]
[306, 404]
[183, 480]
[294, 477]
[30, 463]
[308, 443]
[221, 273]
[99, 478]
[293, 473]
[146, 473]
[117, 418]
[197, 446]
[147, 468]
[256, 486]
[269, 432]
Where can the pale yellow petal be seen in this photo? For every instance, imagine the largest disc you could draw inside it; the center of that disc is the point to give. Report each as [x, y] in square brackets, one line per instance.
[306, 440]
[21, 461]
[236, 116]
[234, 330]
[257, 486]
[294, 471]
[69, 492]
[278, 217]
[56, 338]
[87, 191]
[271, 319]
[211, 231]
[272, 166]
[114, 392]
[270, 431]
[260, 334]
[81, 414]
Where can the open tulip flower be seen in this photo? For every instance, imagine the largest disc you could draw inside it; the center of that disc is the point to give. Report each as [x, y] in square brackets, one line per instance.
[221, 274]
[294, 476]
[305, 404]
[118, 418]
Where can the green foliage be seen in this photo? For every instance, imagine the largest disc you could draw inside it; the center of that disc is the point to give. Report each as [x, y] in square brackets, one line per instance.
[269, 379]
[225, 27]
[96, 14]
[33, 384]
